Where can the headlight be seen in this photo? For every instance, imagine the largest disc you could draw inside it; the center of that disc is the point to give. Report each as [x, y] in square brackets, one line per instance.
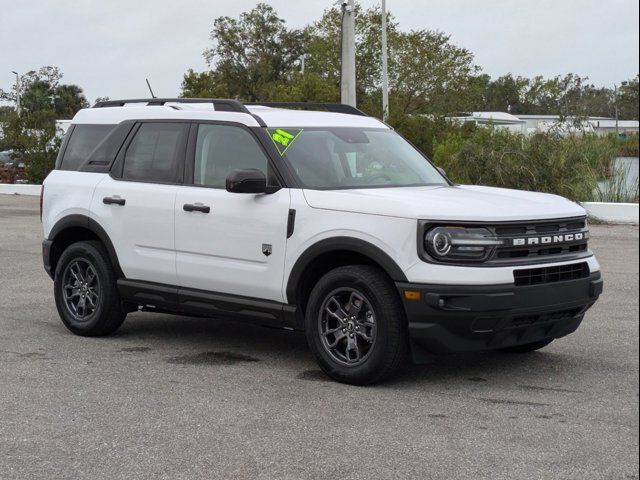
[460, 244]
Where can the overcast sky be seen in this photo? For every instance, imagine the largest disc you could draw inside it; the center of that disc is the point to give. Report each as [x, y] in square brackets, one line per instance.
[108, 47]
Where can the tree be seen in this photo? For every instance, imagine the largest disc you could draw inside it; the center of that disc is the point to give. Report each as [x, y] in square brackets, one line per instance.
[67, 100]
[251, 53]
[258, 58]
[32, 135]
[627, 99]
[201, 85]
[429, 74]
[323, 50]
[49, 75]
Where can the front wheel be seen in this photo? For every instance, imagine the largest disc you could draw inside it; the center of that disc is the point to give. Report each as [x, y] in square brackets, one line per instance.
[85, 290]
[356, 325]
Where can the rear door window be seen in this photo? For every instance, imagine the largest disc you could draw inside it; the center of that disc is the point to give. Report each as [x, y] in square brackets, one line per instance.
[84, 139]
[154, 154]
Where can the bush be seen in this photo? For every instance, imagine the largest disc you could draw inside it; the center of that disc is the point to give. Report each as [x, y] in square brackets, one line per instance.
[425, 131]
[629, 146]
[568, 166]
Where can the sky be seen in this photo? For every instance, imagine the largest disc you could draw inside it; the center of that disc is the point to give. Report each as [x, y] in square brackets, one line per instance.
[109, 47]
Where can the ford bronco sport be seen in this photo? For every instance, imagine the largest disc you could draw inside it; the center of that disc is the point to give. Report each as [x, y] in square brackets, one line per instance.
[322, 221]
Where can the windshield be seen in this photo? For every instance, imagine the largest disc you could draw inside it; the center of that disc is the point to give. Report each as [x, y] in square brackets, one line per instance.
[335, 158]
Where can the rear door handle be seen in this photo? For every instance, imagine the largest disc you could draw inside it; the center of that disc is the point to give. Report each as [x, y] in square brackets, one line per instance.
[196, 207]
[113, 201]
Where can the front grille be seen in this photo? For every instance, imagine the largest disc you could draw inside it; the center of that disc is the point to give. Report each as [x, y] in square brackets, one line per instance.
[553, 226]
[560, 273]
[537, 230]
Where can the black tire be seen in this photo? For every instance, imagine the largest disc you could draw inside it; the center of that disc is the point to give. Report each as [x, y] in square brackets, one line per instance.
[528, 347]
[101, 312]
[382, 308]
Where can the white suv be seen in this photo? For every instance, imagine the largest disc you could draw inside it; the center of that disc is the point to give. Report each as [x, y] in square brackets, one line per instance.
[323, 221]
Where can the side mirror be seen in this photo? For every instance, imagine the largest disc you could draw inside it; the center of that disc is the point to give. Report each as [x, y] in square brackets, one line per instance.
[442, 172]
[250, 180]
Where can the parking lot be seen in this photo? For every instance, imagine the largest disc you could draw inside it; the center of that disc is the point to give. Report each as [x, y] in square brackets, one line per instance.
[183, 398]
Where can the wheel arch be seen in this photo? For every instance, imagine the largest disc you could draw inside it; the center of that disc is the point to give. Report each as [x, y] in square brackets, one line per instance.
[74, 228]
[330, 253]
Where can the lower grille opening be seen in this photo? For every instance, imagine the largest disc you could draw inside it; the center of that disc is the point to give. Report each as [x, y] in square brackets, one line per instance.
[544, 317]
[560, 273]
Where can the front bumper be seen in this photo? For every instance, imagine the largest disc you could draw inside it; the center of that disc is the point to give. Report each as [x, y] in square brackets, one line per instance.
[455, 318]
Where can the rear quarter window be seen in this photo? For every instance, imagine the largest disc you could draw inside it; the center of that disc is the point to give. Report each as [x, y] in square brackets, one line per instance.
[84, 139]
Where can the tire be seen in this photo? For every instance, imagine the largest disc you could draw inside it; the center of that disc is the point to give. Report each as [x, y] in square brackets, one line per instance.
[85, 290]
[372, 343]
[528, 347]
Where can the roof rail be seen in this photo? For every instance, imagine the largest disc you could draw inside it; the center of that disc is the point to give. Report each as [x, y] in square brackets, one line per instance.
[221, 105]
[329, 107]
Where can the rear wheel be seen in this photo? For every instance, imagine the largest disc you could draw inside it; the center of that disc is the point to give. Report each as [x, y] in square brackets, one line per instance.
[356, 326]
[528, 347]
[85, 290]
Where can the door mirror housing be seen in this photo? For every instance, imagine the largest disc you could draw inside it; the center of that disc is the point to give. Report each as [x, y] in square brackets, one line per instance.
[249, 180]
[442, 172]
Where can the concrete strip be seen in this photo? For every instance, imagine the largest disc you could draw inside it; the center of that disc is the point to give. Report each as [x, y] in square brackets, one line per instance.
[624, 213]
[19, 189]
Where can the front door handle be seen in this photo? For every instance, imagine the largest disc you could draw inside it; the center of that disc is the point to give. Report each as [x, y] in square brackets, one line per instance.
[196, 207]
[114, 201]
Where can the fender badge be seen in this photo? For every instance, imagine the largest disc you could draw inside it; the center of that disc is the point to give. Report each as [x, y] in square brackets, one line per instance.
[266, 249]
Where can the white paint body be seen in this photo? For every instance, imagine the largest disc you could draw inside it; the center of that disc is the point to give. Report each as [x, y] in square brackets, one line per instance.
[157, 241]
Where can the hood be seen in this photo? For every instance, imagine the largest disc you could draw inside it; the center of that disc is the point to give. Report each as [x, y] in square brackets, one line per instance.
[448, 203]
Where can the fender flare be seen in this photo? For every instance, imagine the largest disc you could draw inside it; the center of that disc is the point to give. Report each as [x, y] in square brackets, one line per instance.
[356, 245]
[83, 221]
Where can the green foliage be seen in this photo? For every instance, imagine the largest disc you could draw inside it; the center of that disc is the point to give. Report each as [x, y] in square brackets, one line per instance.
[252, 53]
[257, 58]
[425, 130]
[627, 99]
[568, 166]
[429, 74]
[568, 95]
[37, 148]
[32, 136]
[629, 146]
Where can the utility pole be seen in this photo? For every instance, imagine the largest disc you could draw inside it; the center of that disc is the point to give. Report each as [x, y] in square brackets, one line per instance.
[385, 74]
[348, 67]
[18, 88]
[615, 104]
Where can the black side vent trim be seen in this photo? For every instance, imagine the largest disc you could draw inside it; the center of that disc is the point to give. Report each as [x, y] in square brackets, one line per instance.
[291, 222]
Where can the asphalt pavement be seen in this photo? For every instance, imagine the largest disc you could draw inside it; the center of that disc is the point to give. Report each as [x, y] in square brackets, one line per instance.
[171, 397]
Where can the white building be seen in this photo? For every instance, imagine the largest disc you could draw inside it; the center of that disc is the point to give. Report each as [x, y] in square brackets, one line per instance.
[530, 124]
[498, 119]
[599, 125]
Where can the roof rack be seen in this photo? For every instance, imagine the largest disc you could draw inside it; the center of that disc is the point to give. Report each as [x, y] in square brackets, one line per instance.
[329, 107]
[221, 105]
[229, 105]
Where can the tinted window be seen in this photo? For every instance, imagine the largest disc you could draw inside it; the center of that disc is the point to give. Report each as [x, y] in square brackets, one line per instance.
[221, 149]
[84, 139]
[152, 155]
[104, 154]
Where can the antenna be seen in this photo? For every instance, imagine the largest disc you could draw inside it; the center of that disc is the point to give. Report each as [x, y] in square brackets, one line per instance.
[150, 90]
